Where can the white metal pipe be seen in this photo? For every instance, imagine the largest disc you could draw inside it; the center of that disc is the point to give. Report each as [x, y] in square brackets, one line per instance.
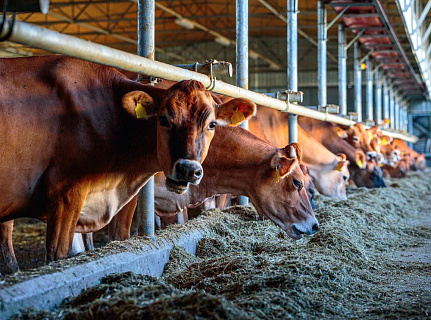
[392, 107]
[369, 90]
[386, 96]
[292, 62]
[378, 97]
[342, 69]
[321, 53]
[242, 58]
[146, 46]
[357, 80]
[53, 41]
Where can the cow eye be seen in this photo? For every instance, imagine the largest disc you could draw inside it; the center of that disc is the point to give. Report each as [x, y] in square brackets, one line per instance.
[212, 125]
[164, 121]
[298, 184]
[345, 178]
[356, 138]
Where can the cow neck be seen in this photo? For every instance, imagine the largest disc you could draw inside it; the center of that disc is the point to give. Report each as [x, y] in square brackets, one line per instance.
[320, 156]
[235, 159]
[324, 133]
[139, 141]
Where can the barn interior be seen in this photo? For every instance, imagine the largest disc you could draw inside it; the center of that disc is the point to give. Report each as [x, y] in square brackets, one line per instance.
[356, 60]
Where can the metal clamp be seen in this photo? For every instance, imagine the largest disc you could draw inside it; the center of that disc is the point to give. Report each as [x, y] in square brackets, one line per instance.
[352, 116]
[3, 22]
[330, 108]
[211, 75]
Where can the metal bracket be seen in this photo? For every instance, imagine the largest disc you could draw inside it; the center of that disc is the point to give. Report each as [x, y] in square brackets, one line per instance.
[352, 116]
[354, 39]
[337, 17]
[289, 96]
[366, 56]
[329, 108]
[219, 68]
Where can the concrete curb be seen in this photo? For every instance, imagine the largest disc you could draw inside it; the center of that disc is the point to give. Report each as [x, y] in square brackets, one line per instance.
[48, 291]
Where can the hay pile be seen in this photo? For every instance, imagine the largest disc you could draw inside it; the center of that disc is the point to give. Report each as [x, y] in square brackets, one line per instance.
[249, 269]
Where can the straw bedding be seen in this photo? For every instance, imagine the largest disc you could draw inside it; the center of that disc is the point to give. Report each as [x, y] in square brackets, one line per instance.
[354, 267]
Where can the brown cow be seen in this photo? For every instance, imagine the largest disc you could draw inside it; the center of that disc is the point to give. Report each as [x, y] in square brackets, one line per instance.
[364, 172]
[269, 176]
[80, 139]
[418, 159]
[328, 171]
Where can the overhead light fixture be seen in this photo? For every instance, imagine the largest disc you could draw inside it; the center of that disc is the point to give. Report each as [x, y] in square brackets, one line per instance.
[185, 23]
[253, 55]
[223, 41]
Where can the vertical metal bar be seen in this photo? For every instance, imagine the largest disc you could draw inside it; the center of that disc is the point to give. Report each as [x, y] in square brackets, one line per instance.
[242, 57]
[146, 21]
[321, 52]
[392, 106]
[292, 62]
[410, 127]
[385, 98]
[342, 69]
[369, 90]
[397, 112]
[357, 80]
[378, 97]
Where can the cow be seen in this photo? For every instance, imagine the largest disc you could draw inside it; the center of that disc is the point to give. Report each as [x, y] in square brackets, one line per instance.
[364, 171]
[80, 139]
[418, 161]
[328, 171]
[240, 163]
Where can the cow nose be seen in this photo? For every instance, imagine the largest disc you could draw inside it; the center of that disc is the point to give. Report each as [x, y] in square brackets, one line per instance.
[308, 227]
[188, 171]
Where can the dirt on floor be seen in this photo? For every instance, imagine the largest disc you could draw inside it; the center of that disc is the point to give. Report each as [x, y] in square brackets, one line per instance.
[369, 260]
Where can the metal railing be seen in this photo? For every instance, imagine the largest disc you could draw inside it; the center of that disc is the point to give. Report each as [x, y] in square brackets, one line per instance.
[53, 41]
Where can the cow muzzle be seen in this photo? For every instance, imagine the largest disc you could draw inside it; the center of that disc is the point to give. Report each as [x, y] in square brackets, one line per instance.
[310, 227]
[184, 172]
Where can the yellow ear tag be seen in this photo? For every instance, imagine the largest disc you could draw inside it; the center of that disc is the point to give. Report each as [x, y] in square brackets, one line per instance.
[371, 135]
[140, 111]
[380, 164]
[384, 142]
[360, 164]
[277, 175]
[339, 166]
[237, 117]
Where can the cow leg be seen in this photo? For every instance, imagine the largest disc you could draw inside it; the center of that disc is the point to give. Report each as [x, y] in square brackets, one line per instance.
[136, 221]
[77, 245]
[63, 212]
[182, 217]
[8, 263]
[88, 241]
[119, 227]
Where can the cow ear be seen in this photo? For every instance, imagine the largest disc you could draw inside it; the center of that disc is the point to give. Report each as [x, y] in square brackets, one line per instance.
[293, 150]
[235, 111]
[341, 161]
[139, 104]
[360, 159]
[283, 166]
[385, 140]
[341, 133]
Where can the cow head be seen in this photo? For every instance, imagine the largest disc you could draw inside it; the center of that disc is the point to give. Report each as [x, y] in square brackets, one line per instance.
[187, 116]
[358, 137]
[368, 174]
[281, 196]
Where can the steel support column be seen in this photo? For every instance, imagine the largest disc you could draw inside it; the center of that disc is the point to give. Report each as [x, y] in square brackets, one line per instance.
[242, 57]
[146, 45]
[369, 90]
[391, 107]
[321, 52]
[357, 80]
[385, 98]
[397, 112]
[292, 62]
[342, 69]
[378, 97]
